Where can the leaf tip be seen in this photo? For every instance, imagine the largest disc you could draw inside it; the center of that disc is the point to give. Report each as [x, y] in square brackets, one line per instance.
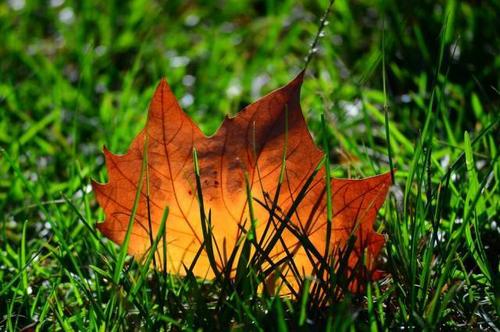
[298, 80]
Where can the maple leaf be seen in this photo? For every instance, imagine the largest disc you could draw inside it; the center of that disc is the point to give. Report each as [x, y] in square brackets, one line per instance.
[268, 141]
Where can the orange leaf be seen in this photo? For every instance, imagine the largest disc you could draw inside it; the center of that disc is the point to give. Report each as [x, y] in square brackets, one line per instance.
[254, 143]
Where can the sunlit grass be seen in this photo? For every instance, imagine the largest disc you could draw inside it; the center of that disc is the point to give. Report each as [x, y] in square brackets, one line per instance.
[413, 87]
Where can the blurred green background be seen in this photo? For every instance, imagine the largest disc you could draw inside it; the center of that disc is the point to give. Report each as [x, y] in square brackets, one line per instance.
[79, 74]
[75, 75]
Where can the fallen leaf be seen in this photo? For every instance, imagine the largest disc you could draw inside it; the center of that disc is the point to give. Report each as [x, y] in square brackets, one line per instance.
[253, 143]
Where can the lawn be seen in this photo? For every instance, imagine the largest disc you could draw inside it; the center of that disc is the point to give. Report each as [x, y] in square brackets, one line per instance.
[411, 86]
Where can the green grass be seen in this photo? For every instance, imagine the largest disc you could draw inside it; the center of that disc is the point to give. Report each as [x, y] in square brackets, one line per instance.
[412, 85]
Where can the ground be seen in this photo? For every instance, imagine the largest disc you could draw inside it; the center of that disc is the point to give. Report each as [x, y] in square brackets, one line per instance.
[412, 85]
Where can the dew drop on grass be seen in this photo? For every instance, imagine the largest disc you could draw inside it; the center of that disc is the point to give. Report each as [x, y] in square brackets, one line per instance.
[234, 90]
[179, 61]
[445, 161]
[56, 3]
[441, 236]
[188, 80]
[187, 100]
[100, 88]
[455, 51]
[257, 83]
[480, 164]
[78, 194]
[100, 50]
[351, 109]
[405, 98]
[67, 16]
[191, 20]
[17, 4]
[32, 176]
[11, 224]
